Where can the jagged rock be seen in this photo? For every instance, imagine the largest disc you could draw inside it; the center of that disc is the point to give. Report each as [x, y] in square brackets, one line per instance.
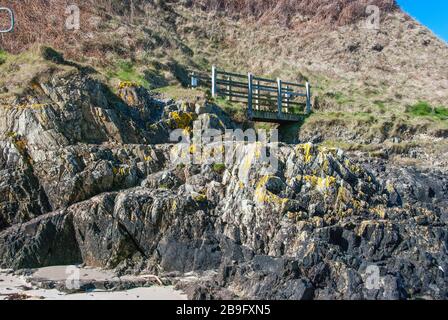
[307, 230]
[44, 241]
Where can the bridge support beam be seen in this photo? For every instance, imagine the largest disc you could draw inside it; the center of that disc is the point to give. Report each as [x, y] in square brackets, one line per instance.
[308, 98]
[250, 92]
[279, 95]
[214, 84]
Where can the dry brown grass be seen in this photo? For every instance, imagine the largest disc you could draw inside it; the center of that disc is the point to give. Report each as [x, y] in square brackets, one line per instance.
[327, 12]
[43, 22]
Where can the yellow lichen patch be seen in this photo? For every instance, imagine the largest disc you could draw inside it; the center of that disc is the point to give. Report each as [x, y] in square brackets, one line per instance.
[390, 188]
[34, 106]
[320, 183]
[20, 144]
[174, 206]
[200, 198]
[193, 149]
[263, 196]
[127, 84]
[130, 99]
[291, 215]
[186, 131]
[328, 182]
[307, 154]
[120, 171]
[258, 152]
[380, 211]
[182, 120]
[147, 158]
[312, 180]
[352, 167]
[357, 205]
[343, 196]
[11, 134]
[247, 163]
[318, 222]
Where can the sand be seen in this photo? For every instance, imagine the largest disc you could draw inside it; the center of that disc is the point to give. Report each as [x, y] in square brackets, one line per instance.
[11, 284]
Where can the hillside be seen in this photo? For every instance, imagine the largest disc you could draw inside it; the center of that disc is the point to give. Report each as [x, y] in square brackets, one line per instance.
[365, 76]
[86, 168]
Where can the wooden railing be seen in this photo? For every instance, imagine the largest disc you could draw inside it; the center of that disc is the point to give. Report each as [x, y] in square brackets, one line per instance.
[260, 94]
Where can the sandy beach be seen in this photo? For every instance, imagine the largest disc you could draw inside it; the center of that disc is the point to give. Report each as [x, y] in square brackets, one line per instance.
[26, 287]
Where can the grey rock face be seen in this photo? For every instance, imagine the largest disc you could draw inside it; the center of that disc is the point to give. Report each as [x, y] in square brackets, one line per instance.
[46, 240]
[87, 178]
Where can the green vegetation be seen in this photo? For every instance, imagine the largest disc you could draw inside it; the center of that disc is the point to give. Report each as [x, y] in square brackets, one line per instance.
[219, 168]
[3, 57]
[236, 110]
[17, 71]
[340, 98]
[297, 109]
[424, 109]
[125, 70]
[177, 92]
[381, 106]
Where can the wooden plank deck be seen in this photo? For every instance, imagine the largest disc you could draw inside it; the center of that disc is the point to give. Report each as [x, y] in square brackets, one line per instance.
[275, 117]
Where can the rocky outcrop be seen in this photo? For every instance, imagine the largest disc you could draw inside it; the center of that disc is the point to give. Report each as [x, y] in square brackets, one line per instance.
[46, 240]
[87, 178]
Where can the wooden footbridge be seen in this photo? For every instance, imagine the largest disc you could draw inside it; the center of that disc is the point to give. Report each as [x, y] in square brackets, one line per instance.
[267, 100]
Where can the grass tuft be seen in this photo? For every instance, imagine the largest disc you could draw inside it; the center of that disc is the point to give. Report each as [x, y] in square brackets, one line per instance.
[3, 57]
[125, 71]
[424, 109]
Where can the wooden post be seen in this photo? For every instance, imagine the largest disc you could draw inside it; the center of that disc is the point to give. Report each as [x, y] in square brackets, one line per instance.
[250, 94]
[287, 99]
[214, 85]
[194, 80]
[257, 95]
[279, 95]
[308, 98]
[229, 88]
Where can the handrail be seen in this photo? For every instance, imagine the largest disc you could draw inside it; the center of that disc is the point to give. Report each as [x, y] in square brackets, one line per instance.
[260, 93]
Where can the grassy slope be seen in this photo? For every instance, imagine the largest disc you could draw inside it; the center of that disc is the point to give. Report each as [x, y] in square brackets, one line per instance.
[364, 88]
